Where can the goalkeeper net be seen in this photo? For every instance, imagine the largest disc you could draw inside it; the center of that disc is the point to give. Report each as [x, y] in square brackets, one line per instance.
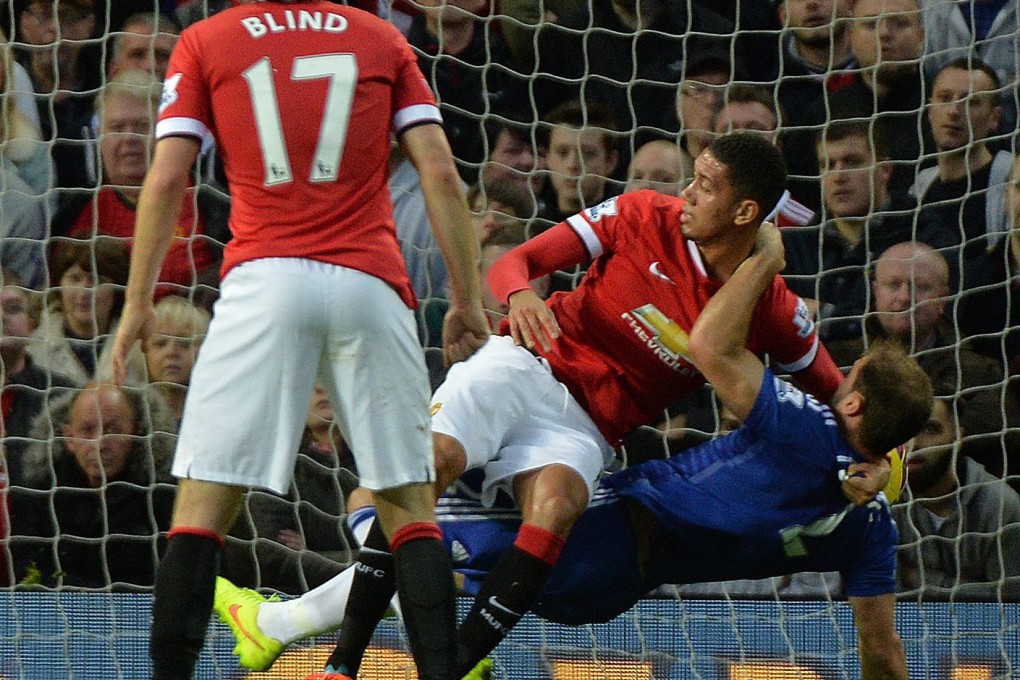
[508, 75]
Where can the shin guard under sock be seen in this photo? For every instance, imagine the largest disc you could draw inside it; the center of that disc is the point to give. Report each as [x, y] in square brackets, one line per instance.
[427, 599]
[183, 600]
[506, 595]
[371, 590]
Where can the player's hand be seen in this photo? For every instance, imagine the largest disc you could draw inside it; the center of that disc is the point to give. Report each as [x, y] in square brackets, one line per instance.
[465, 329]
[136, 323]
[863, 481]
[769, 245]
[531, 322]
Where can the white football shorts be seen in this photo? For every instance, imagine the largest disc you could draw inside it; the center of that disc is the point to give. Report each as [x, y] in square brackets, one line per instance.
[512, 415]
[280, 325]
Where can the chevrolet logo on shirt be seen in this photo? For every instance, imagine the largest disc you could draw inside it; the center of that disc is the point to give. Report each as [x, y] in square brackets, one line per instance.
[662, 335]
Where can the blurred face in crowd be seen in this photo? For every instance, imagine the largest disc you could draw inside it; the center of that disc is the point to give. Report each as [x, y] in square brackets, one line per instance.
[698, 99]
[126, 141]
[910, 287]
[750, 116]
[852, 183]
[99, 433]
[657, 165]
[320, 409]
[17, 321]
[140, 47]
[86, 302]
[932, 454]
[44, 21]
[489, 216]
[580, 162]
[815, 22]
[451, 11]
[513, 158]
[962, 109]
[888, 34]
[171, 351]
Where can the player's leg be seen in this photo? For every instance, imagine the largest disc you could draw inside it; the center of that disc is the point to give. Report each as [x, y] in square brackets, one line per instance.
[551, 499]
[373, 354]
[374, 585]
[185, 580]
[247, 375]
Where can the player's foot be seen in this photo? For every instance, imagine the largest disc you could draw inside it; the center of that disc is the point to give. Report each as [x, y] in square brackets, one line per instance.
[239, 609]
[482, 671]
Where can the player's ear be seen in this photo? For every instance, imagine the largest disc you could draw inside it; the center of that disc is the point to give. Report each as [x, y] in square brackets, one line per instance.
[852, 404]
[746, 212]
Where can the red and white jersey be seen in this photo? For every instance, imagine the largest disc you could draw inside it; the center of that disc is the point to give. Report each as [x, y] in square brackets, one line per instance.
[300, 99]
[790, 212]
[623, 351]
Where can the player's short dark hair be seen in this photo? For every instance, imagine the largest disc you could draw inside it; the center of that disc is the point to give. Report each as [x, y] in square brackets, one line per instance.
[874, 131]
[898, 397]
[756, 168]
[973, 63]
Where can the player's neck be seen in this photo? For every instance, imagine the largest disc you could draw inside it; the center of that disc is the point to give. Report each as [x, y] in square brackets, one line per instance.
[721, 258]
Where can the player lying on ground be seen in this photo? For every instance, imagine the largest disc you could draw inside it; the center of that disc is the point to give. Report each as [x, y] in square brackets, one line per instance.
[762, 501]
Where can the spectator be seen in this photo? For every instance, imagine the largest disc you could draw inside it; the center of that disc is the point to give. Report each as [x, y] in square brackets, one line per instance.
[513, 155]
[82, 311]
[310, 517]
[985, 30]
[827, 264]
[582, 158]
[143, 43]
[26, 387]
[126, 108]
[959, 525]
[752, 107]
[171, 350]
[910, 290]
[520, 20]
[660, 166]
[887, 39]
[59, 47]
[629, 56]
[698, 98]
[424, 261]
[815, 42]
[456, 52]
[990, 315]
[499, 205]
[968, 185]
[26, 176]
[91, 516]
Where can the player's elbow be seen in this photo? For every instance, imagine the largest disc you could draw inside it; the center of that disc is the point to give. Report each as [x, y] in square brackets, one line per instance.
[703, 352]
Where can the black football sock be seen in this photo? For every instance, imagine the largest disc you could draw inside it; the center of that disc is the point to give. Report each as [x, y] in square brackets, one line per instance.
[182, 602]
[371, 591]
[427, 599]
[506, 595]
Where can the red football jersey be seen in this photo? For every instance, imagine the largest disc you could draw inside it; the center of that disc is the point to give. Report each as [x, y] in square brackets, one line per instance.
[301, 99]
[623, 351]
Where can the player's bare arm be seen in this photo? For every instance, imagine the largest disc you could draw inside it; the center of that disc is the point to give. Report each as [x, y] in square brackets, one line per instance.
[465, 328]
[718, 338]
[881, 650]
[159, 207]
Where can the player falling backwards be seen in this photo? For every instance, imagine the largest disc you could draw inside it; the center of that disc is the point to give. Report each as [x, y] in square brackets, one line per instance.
[612, 355]
[301, 99]
[763, 501]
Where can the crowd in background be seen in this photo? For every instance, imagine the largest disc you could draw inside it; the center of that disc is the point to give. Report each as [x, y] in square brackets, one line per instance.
[897, 119]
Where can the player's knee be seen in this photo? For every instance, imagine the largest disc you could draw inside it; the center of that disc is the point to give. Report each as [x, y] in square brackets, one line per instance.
[359, 498]
[556, 512]
[451, 460]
